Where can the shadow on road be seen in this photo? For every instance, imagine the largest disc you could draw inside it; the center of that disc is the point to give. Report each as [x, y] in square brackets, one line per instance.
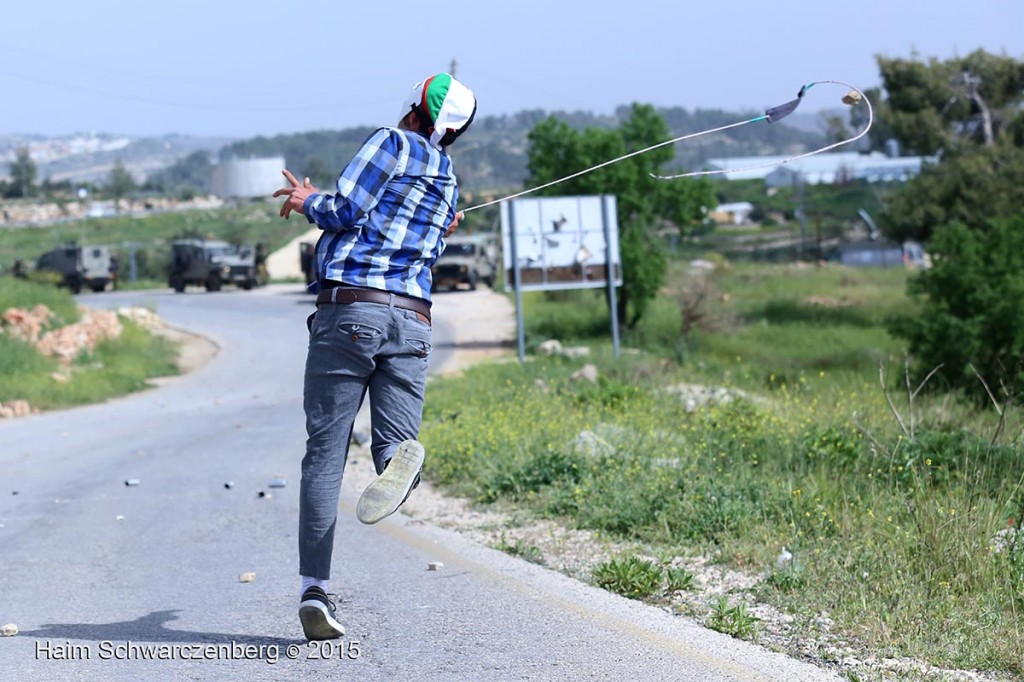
[149, 628]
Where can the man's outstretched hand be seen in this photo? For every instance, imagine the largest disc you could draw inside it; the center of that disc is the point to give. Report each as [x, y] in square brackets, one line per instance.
[454, 225]
[297, 194]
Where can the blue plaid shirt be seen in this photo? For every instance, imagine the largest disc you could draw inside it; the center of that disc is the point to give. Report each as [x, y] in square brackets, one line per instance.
[383, 229]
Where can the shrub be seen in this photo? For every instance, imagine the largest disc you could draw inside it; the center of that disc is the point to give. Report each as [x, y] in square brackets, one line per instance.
[20, 367]
[521, 549]
[679, 579]
[520, 477]
[735, 621]
[18, 293]
[631, 577]
[786, 579]
[610, 393]
[971, 312]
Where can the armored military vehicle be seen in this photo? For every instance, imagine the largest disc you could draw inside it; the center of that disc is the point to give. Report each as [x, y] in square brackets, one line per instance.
[466, 260]
[78, 266]
[212, 263]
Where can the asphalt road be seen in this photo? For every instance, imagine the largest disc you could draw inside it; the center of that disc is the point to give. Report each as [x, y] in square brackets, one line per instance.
[113, 582]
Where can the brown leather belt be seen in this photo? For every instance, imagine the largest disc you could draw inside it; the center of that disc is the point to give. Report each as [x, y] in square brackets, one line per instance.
[347, 295]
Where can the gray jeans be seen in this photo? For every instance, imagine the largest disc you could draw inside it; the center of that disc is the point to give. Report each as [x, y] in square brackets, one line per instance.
[354, 349]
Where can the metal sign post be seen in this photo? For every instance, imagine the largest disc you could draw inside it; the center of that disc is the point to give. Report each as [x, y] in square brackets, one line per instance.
[520, 328]
[610, 263]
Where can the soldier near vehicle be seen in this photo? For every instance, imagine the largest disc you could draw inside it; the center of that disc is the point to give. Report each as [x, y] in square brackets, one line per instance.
[114, 268]
[307, 256]
[262, 274]
[78, 266]
[467, 259]
[212, 263]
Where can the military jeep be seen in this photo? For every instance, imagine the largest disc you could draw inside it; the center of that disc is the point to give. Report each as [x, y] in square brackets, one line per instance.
[466, 260]
[77, 266]
[212, 263]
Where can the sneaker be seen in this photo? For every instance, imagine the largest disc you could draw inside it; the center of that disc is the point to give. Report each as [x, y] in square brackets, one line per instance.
[316, 613]
[385, 495]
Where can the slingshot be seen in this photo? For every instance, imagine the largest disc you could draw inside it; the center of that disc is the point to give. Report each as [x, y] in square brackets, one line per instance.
[853, 97]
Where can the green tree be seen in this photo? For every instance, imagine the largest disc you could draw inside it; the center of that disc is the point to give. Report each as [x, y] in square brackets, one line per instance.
[880, 131]
[644, 204]
[968, 112]
[970, 188]
[318, 173]
[942, 106]
[835, 129]
[120, 183]
[191, 174]
[23, 174]
[973, 299]
[967, 206]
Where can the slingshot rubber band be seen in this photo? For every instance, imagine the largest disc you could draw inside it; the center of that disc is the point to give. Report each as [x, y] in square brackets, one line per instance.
[862, 133]
[771, 115]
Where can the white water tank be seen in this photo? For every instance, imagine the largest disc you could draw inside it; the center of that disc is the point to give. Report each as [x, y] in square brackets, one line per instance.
[248, 178]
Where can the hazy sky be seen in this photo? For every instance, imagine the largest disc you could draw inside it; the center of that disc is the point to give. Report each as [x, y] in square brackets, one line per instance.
[239, 69]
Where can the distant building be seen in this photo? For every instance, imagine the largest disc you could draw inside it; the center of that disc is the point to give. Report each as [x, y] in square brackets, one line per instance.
[737, 213]
[101, 209]
[248, 178]
[821, 168]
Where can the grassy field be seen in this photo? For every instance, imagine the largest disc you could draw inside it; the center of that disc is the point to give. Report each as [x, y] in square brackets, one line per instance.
[150, 235]
[893, 513]
[114, 368]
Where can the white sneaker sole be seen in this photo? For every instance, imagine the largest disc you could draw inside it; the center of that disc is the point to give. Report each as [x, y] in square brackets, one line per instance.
[317, 622]
[385, 495]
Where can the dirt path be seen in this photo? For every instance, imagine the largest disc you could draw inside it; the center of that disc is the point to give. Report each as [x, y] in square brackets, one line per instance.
[484, 323]
[284, 263]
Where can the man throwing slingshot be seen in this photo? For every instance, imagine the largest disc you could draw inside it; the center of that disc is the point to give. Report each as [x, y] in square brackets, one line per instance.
[382, 230]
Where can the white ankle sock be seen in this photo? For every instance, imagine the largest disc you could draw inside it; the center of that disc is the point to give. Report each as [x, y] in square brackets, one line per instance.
[308, 582]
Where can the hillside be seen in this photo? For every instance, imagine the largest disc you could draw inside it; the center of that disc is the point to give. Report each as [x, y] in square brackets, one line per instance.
[494, 154]
[89, 157]
[492, 157]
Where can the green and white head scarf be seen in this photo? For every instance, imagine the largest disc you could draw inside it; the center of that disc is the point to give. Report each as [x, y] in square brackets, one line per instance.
[447, 104]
